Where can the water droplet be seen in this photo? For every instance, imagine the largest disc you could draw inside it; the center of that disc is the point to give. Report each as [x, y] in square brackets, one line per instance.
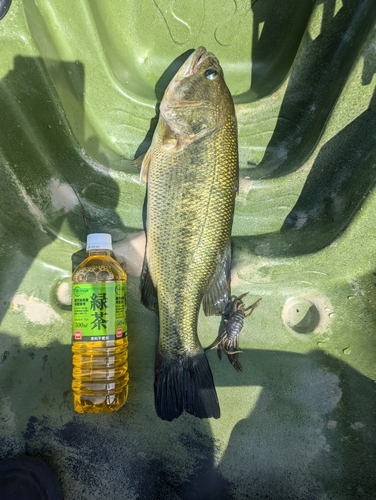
[60, 122]
[321, 345]
[347, 350]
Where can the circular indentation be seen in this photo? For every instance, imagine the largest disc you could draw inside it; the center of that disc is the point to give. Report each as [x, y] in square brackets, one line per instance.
[104, 276]
[301, 315]
[63, 293]
[80, 277]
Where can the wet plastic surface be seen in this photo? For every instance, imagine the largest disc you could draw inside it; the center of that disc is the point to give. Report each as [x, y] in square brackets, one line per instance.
[79, 82]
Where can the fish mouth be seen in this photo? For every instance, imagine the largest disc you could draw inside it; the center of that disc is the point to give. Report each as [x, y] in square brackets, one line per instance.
[201, 56]
[195, 60]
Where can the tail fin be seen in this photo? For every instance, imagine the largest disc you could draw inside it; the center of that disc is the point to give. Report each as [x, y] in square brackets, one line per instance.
[185, 383]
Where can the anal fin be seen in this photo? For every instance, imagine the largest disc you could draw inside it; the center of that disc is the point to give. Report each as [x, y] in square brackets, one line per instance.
[149, 297]
[219, 292]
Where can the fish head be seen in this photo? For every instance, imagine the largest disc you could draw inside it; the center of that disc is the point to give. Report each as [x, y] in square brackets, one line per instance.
[197, 99]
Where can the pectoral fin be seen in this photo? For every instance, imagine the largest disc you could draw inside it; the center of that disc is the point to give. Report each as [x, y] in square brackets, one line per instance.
[146, 161]
[219, 292]
[131, 166]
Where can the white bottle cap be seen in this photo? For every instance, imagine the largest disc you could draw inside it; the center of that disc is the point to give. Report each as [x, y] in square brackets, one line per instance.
[98, 241]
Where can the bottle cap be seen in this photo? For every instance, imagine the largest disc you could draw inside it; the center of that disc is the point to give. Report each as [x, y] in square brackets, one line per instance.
[98, 241]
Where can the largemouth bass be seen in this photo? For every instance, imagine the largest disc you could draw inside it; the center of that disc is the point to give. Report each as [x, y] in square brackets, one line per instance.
[191, 170]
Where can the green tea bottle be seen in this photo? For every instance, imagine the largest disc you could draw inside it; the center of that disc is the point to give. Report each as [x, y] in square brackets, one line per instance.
[99, 333]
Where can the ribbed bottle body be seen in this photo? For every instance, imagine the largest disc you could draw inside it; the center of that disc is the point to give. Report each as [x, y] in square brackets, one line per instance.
[99, 335]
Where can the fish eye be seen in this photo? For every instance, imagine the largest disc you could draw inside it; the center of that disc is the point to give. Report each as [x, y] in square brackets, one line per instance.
[211, 74]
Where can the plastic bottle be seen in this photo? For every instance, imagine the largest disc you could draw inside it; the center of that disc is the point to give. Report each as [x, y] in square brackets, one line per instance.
[100, 342]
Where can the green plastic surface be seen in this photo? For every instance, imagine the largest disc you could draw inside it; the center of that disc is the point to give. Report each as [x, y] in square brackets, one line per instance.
[79, 82]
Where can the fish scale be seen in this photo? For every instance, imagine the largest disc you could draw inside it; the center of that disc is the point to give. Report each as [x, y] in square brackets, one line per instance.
[190, 203]
[182, 262]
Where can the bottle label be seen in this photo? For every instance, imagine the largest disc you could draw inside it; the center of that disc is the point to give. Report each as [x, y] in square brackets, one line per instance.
[99, 311]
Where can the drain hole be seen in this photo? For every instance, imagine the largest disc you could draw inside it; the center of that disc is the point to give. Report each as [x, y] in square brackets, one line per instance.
[301, 315]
